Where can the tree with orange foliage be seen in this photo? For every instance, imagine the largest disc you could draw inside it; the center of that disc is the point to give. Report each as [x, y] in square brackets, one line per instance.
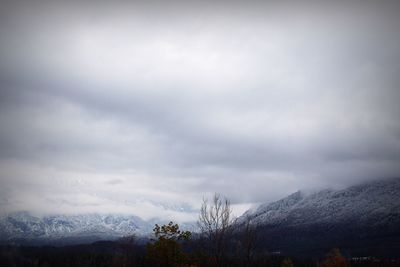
[334, 259]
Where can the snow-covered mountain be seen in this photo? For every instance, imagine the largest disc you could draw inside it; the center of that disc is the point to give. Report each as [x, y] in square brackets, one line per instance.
[373, 203]
[22, 227]
[364, 217]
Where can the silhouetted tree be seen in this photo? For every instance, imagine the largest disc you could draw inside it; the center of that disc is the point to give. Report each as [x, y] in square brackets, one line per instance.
[166, 250]
[214, 222]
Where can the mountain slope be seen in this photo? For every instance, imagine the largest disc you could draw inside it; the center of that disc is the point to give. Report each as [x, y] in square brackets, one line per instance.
[362, 219]
[22, 227]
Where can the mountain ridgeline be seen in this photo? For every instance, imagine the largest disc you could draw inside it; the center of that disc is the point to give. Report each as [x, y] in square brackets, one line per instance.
[24, 228]
[362, 220]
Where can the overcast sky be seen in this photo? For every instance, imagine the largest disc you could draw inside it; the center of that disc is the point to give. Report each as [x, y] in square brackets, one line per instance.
[127, 107]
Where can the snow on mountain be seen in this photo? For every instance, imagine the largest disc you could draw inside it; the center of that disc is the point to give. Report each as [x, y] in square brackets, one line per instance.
[24, 226]
[374, 203]
[361, 220]
[371, 208]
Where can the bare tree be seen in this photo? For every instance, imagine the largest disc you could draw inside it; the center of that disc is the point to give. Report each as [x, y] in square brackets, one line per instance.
[248, 241]
[214, 222]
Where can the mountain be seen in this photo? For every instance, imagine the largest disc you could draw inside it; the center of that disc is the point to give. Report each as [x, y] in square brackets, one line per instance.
[362, 220]
[24, 228]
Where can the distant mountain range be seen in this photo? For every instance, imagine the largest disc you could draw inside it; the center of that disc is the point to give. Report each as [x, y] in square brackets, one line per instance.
[23, 228]
[362, 219]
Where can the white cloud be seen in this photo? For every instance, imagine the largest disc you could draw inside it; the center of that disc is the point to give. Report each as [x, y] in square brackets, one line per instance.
[120, 108]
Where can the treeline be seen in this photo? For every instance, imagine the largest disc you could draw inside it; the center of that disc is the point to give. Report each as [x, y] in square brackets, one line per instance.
[220, 242]
[116, 254]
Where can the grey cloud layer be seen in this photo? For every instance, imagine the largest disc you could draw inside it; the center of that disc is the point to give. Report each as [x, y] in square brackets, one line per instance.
[130, 105]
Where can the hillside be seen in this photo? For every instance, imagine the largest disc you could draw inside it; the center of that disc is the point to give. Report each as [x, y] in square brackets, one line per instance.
[362, 219]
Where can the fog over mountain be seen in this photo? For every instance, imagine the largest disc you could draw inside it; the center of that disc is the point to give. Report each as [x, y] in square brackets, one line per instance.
[360, 219]
[144, 107]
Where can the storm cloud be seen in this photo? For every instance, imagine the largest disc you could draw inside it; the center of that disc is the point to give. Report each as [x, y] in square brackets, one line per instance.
[146, 107]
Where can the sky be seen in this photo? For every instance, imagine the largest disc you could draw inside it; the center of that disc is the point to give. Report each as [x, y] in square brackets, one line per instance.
[148, 107]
